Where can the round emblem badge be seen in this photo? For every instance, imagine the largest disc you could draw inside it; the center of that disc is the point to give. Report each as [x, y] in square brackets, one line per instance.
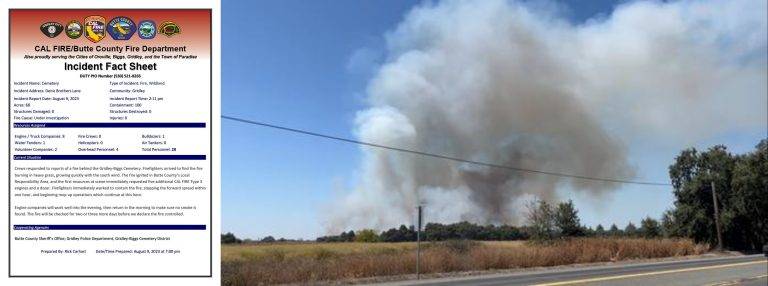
[74, 29]
[147, 29]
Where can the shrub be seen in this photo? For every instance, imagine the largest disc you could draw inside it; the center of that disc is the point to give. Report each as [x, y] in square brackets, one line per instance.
[229, 238]
[366, 235]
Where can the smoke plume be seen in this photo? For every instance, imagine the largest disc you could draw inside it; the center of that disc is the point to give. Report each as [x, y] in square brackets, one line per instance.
[518, 85]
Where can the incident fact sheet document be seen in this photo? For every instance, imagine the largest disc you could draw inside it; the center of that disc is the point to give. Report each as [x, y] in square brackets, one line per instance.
[110, 134]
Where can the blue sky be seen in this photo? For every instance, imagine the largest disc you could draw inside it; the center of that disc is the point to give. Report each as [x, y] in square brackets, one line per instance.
[302, 64]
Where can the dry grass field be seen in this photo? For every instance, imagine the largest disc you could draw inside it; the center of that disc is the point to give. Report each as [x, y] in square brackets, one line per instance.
[261, 264]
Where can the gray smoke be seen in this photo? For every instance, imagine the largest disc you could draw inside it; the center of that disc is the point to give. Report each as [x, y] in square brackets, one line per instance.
[513, 84]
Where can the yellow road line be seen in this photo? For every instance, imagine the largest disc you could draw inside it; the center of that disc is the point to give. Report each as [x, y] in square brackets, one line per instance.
[598, 279]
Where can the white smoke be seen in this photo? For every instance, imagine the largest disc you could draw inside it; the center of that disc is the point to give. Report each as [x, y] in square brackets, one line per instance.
[502, 82]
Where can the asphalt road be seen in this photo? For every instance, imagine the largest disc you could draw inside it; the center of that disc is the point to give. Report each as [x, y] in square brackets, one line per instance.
[740, 270]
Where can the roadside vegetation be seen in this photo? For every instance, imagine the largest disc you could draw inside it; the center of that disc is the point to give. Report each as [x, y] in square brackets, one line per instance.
[553, 234]
[275, 263]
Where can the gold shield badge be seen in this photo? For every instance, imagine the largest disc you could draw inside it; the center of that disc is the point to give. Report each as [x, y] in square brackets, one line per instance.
[95, 28]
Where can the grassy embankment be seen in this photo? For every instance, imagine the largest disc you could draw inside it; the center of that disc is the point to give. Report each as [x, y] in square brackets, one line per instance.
[258, 264]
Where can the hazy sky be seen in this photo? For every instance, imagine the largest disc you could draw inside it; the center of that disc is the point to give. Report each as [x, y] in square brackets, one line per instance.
[306, 64]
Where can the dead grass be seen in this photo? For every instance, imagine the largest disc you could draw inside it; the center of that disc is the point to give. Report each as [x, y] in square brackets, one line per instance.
[314, 262]
[309, 249]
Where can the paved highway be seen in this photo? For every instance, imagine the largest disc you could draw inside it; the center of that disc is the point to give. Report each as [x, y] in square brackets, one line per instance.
[740, 270]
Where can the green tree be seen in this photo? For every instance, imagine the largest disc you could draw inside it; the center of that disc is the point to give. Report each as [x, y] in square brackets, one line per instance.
[668, 225]
[465, 230]
[746, 215]
[599, 230]
[541, 220]
[614, 230]
[347, 236]
[229, 238]
[399, 234]
[692, 176]
[740, 184]
[630, 230]
[649, 228]
[366, 235]
[567, 219]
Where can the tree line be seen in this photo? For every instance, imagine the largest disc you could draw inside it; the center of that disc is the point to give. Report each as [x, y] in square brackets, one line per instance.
[741, 183]
[545, 222]
[650, 228]
[432, 232]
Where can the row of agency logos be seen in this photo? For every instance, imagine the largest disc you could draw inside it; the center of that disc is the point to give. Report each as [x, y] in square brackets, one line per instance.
[120, 28]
